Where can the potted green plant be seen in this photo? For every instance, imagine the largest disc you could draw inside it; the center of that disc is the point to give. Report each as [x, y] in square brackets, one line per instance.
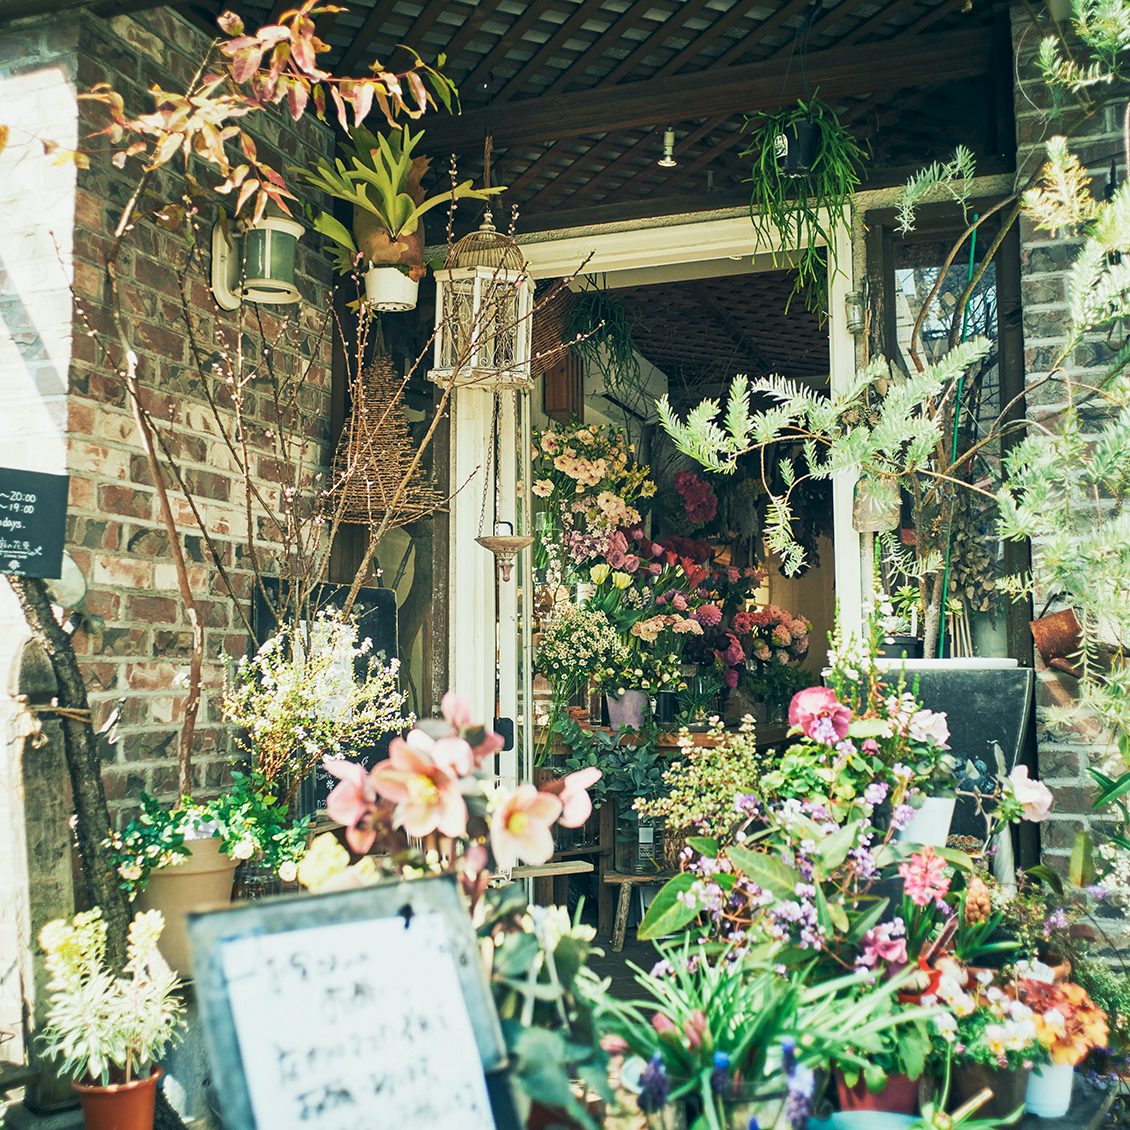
[383, 182]
[174, 859]
[805, 169]
[110, 1029]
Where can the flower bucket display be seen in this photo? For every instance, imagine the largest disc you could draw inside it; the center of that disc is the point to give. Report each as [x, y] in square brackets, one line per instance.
[202, 878]
[899, 1096]
[1008, 1086]
[120, 1106]
[931, 823]
[390, 289]
[626, 708]
[1049, 1090]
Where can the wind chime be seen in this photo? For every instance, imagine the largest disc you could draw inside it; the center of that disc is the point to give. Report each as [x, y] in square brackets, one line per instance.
[503, 543]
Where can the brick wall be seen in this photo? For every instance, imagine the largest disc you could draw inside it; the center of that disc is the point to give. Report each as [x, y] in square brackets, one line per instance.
[141, 647]
[1063, 754]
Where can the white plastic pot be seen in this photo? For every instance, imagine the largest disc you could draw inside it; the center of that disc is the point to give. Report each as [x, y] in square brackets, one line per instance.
[1049, 1090]
[390, 289]
[931, 823]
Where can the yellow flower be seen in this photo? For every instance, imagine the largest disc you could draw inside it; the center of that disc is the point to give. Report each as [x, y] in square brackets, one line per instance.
[599, 573]
[621, 580]
[324, 860]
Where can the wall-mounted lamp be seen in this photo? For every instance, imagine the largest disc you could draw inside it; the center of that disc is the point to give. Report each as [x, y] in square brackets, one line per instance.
[257, 265]
[667, 161]
[856, 311]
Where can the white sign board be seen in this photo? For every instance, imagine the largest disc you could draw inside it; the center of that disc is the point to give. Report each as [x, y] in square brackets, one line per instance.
[333, 1021]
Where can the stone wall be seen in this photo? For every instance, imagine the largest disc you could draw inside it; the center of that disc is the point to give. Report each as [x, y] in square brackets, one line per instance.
[141, 646]
[1064, 755]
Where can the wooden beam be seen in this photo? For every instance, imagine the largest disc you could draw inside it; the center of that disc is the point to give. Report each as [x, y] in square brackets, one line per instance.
[361, 43]
[586, 10]
[496, 54]
[889, 65]
[687, 11]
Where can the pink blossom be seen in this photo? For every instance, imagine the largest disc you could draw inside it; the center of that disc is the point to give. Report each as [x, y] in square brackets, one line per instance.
[733, 655]
[655, 568]
[694, 1028]
[708, 615]
[427, 798]
[925, 877]
[1033, 796]
[820, 715]
[930, 726]
[351, 800]
[679, 602]
[631, 563]
[663, 1024]
[886, 943]
[576, 806]
[520, 829]
[730, 678]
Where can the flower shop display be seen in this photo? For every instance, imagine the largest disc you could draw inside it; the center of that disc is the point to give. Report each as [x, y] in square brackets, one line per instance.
[175, 859]
[108, 1028]
[431, 808]
[729, 1042]
[1068, 1026]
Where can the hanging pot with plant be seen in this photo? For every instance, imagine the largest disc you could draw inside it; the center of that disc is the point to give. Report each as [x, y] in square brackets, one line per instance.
[383, 182]
[805, 168]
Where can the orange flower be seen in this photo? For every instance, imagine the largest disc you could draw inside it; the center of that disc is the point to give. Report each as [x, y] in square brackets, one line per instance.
[1069, 1024]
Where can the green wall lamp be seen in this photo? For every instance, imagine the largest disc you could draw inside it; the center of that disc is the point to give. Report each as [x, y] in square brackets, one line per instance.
[256, 265]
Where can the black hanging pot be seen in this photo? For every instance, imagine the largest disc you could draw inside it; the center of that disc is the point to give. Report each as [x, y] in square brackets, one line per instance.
[796, 147]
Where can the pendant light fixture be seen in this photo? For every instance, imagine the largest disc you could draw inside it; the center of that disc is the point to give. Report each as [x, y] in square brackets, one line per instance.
[667, 161]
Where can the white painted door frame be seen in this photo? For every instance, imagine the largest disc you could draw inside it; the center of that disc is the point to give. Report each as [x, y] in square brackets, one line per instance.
[662, 243]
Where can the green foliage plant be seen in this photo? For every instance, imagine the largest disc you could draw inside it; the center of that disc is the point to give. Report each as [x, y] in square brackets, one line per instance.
[802, 211]
[381, 178]
[103, 1026]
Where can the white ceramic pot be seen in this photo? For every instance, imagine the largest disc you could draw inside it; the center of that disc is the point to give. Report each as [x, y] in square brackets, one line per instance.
[931, 823]
[1049, 1090]
[389, 288]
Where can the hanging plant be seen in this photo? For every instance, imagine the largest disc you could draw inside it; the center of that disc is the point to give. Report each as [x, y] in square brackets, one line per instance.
[600, 334]
[805, 169]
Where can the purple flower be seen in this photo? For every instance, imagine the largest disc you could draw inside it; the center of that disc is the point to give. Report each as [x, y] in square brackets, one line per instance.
[798, 1106]
[876, 793]
[655, 1086]
[902, 816]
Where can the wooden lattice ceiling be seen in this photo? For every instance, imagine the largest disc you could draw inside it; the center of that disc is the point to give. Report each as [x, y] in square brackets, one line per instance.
[576, 93]
[702, 332]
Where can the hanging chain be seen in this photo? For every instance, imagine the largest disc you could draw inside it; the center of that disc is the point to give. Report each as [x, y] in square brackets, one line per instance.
[490, 459]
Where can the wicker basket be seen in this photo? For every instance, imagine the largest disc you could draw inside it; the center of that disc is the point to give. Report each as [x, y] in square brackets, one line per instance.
[374, 454]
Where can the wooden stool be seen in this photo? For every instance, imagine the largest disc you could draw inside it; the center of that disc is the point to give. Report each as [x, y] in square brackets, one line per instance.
[624, 902]
[551, 880]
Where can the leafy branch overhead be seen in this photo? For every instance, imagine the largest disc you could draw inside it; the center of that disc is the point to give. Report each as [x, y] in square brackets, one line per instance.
[897, 439]
[278, 63]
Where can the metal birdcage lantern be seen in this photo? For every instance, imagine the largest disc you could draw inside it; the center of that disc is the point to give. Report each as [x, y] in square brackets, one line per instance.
[484, 298]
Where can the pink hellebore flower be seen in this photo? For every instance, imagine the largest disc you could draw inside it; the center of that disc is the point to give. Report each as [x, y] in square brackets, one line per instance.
[426, 796]
[351, 800]
[930, 726]
[576, 807]
[483, 742]
[1033, 796]
[820, 715]
[884, 943]
[520, 829]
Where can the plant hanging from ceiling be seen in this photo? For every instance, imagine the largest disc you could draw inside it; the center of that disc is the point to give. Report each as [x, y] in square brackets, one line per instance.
[806, 167]
[600, 333]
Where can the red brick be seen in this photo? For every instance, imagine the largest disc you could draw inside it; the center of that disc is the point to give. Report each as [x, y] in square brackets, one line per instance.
[153, 609]
[128, 500]
[123, 572]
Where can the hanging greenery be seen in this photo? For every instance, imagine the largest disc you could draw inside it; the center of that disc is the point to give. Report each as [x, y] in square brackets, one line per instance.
[806, 167]
[600, 334]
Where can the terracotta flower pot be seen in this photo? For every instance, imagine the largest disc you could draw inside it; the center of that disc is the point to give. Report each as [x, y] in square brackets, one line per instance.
[899, 1096]
[120, 1106]
[1008, 1087]
[202, 878]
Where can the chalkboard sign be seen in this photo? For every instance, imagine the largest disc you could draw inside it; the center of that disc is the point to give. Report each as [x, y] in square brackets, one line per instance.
[365, 1008]
[33, 523]
[988, 707]
[375, 613]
